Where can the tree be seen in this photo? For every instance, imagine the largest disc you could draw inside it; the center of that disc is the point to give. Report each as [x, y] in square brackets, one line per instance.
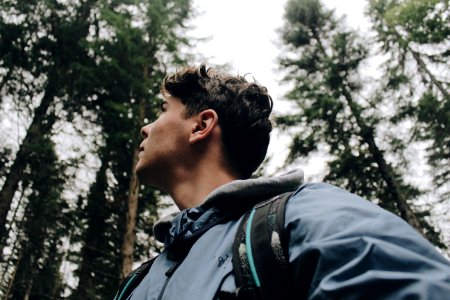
[413, 35]
[60, 48]
[42, 226]
[128, 75]
[146, 51]
[19, 51]
[56, 57]
[323, 62]
[100, 61]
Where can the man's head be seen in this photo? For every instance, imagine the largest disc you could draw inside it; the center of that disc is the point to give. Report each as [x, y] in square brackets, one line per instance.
[210, 124]
[243, 109]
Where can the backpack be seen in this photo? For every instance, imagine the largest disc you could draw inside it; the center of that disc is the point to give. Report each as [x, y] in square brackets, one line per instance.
[261, 228]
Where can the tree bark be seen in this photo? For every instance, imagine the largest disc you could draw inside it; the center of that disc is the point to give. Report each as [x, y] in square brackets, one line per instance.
[13, 277]
[6, 236]
[127, 248]
[7, 264]
[28, 289]
[130, 232]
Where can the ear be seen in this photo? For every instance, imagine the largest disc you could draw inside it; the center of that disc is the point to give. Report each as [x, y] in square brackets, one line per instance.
[205, 122]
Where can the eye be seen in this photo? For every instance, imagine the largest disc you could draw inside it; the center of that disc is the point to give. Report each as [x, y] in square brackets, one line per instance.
[162, 107]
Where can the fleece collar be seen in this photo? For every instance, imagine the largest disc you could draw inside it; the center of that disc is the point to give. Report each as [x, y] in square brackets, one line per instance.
[226, 202]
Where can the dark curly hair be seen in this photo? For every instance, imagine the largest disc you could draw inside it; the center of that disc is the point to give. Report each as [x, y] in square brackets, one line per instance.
[243, 109]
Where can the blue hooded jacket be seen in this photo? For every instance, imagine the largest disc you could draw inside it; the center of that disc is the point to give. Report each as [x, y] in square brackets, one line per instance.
[340, 246]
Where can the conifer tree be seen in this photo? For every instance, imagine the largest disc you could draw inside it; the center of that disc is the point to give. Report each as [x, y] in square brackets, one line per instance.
[42, 226]
[414, 36]
[58, 40]
[323, 61]
[128, 76]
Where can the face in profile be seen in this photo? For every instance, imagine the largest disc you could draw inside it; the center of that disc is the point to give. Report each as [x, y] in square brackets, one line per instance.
[165, 143]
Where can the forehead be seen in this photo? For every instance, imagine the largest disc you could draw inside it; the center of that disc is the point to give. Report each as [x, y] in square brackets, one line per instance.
[172, 101]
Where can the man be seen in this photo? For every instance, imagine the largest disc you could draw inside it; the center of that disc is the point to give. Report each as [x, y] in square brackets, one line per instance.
[211, 135]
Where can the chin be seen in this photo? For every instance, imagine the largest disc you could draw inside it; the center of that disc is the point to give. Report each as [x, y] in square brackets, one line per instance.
[139, 171]
[142, 174]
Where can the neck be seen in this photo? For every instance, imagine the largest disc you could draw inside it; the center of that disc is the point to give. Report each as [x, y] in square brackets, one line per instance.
[192, 186]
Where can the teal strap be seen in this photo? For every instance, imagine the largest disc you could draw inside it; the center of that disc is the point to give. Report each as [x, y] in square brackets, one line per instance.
[248, 247]
[126, 286]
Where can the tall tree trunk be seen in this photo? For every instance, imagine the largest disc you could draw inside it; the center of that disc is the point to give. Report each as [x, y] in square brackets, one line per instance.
[26, 265]
[28, 277]
[41, 124]
[4, 238]
[130, 233]
[384, 168]
[28, 289]
[132, 204]
[15, 247]
[13, 277]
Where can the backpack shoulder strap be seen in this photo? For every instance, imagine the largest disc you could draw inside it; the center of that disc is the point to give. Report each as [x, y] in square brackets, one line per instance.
[260, 252]
[133, 280]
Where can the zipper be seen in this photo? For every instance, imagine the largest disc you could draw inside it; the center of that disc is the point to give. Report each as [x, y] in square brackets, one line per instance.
[168, 274]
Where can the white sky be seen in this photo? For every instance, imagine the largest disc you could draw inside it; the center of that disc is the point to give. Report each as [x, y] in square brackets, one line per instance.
[243, 33]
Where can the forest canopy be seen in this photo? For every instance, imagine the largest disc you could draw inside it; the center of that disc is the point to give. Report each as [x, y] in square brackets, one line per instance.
[78, 79]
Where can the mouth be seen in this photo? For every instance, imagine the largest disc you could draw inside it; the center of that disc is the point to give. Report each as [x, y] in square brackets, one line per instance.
[141, 148]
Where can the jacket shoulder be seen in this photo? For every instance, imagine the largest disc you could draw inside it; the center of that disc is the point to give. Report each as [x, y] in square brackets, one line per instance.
[341, 245]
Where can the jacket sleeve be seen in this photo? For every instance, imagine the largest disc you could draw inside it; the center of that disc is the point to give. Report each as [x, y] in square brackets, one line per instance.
[344, 247]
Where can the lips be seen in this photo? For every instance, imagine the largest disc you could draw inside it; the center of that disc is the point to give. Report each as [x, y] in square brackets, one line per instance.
[141, 149]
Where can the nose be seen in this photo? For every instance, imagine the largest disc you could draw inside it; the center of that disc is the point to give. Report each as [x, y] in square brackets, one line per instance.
[144, 131]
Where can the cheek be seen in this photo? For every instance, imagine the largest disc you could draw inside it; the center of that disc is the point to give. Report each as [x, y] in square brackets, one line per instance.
[154, 128]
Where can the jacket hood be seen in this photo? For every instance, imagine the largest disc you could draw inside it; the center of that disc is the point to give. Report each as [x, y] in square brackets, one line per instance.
[227, 202]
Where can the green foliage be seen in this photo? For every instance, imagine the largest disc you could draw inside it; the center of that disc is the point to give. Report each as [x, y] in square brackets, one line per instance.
[304, 20]
[5, 156]
[323, 61]
[39, 43]
[130, 66]
[44, 222]
[148, 206]
[99, 261]
[101, 61]
[421, 21]
[408, 30]
[435, 117]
